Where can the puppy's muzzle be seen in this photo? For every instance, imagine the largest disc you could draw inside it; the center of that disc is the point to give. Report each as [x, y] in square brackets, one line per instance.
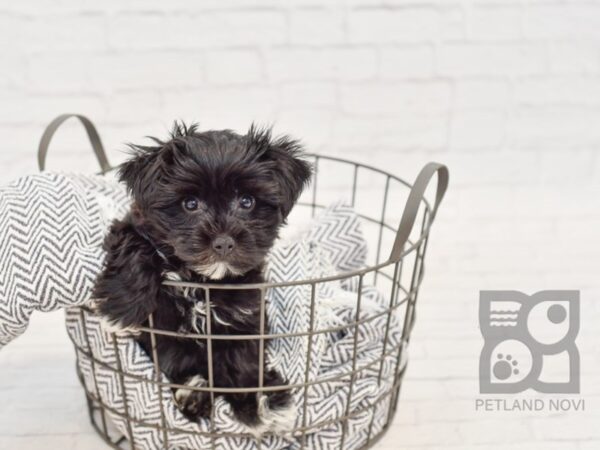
[223, 245]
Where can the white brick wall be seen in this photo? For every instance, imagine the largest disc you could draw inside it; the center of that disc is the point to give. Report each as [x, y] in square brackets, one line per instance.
[506, 92]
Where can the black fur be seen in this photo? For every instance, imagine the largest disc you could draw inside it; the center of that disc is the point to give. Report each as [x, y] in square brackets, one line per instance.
[160, 238]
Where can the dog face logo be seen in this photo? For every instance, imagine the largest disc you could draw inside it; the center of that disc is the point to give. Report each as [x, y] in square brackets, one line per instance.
[529, 342]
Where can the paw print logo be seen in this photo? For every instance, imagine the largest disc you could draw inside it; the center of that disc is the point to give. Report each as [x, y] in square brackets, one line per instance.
[505, 367]
[526, 338]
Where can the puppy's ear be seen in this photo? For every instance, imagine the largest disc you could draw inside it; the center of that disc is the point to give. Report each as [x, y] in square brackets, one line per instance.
[147, 164]
[290, 170]
[293, 172]
[141, 169]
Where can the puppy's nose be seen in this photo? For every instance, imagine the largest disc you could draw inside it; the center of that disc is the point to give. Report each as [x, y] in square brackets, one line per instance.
[223, 245]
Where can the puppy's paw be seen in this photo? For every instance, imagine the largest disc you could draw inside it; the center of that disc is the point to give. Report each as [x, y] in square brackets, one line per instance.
[114, 326]
[110, 322]
[94, 305]
[275, 413]
[194, 404]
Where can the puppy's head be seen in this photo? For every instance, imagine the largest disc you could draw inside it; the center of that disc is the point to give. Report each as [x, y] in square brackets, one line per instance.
[216, 197]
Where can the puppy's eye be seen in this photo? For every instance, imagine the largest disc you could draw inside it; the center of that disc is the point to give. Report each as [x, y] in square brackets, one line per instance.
[191, 204]
[247, 202]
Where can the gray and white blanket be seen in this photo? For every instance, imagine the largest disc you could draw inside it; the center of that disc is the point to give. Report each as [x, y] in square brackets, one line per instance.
[51, 232]
[51, 228]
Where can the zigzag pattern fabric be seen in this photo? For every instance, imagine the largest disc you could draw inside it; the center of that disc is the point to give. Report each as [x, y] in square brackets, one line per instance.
[51, 232]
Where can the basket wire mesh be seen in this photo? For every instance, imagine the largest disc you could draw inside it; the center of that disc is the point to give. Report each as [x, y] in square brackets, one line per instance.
[400, 274]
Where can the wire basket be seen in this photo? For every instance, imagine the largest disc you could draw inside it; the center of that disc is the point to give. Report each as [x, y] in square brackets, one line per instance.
[395, 266]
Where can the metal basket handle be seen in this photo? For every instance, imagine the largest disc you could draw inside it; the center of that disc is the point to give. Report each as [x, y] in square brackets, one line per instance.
[414, 200]
[93, 136]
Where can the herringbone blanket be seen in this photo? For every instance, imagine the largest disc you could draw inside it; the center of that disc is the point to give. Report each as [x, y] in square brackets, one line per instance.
[51, 230]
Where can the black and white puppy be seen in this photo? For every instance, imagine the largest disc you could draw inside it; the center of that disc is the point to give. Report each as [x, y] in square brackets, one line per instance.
[207, 207]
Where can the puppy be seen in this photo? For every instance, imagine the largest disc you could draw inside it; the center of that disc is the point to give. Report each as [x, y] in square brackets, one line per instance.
[207, 207]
